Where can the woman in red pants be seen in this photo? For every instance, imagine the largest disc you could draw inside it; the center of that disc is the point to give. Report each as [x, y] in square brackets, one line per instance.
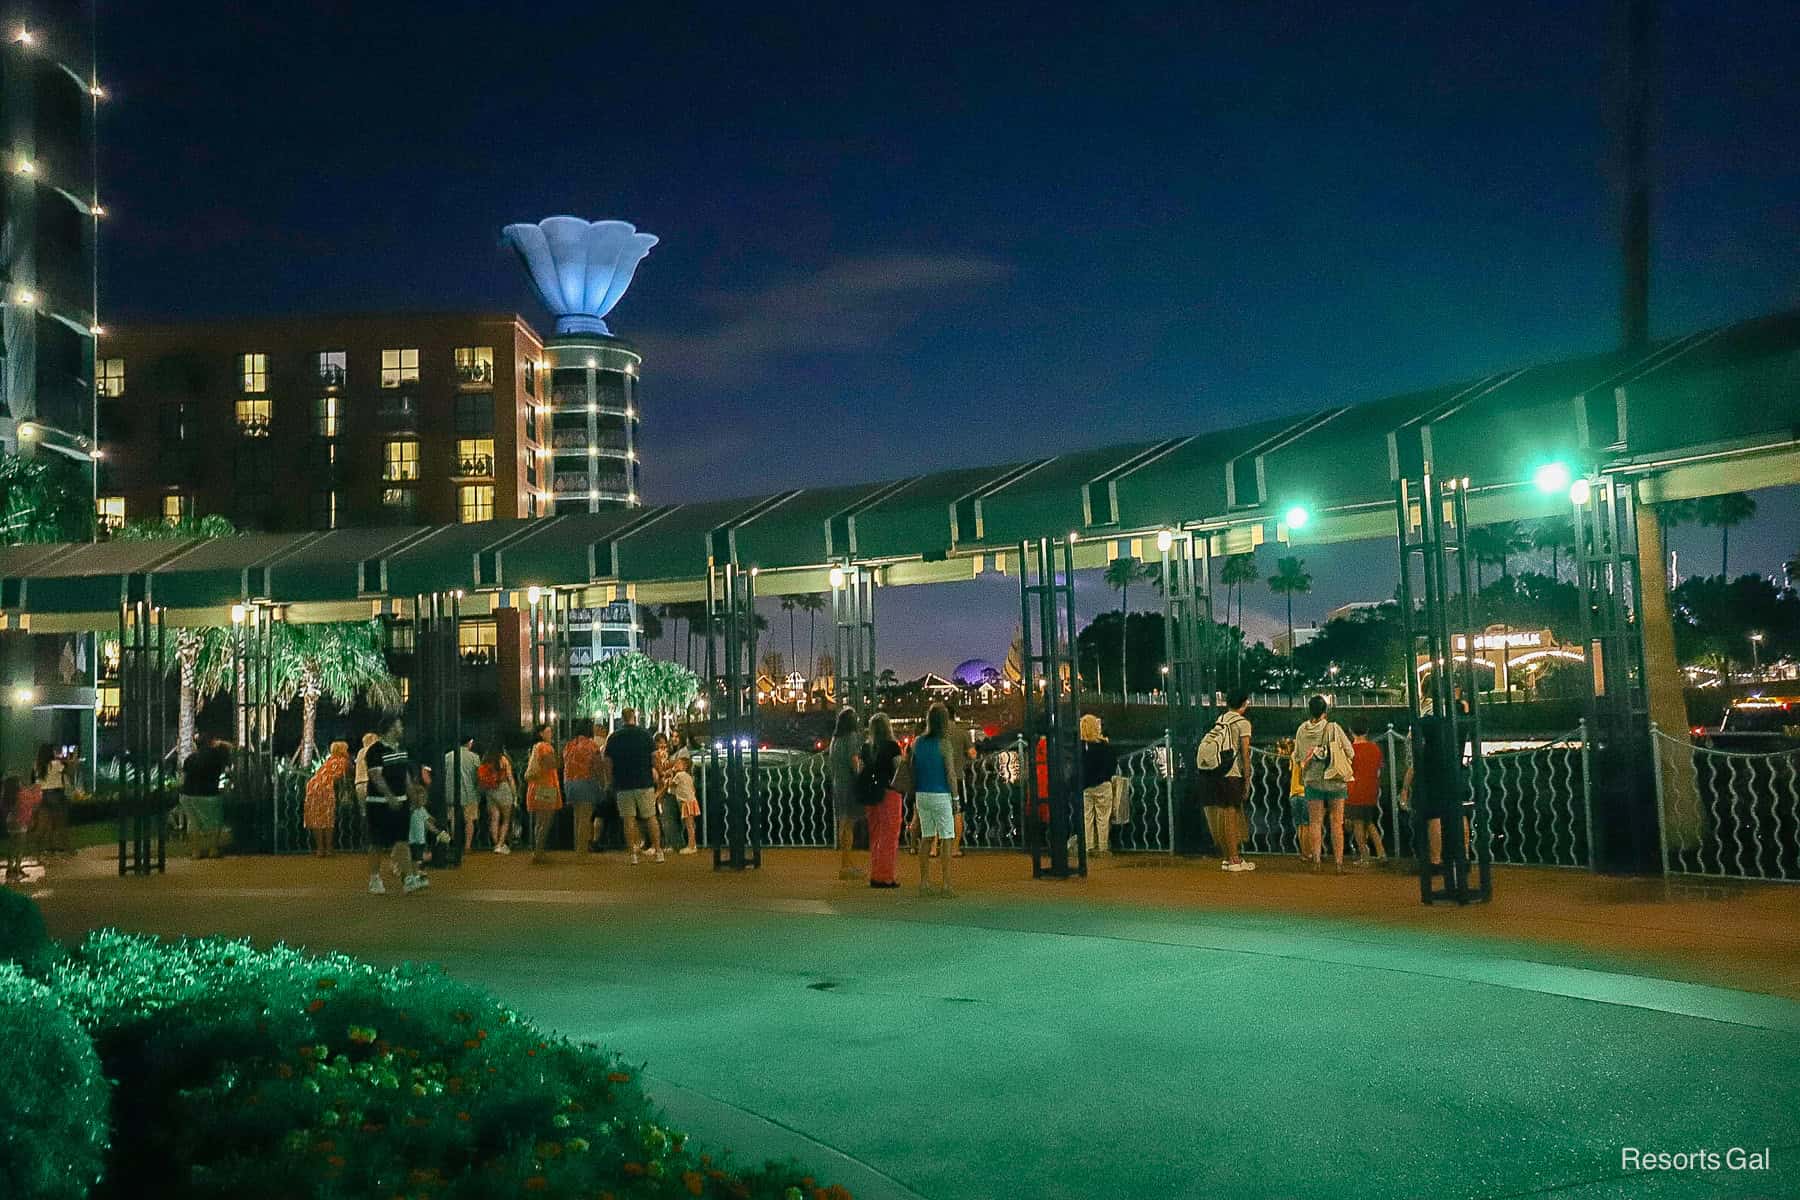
[881, 758]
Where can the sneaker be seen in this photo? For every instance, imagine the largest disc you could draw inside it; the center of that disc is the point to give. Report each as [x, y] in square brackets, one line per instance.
[503, 848]
[1225, 865]
[688, 850]
[634, 858]
[659, 857]
[413, 884]
[1245, 864]
[376, 887]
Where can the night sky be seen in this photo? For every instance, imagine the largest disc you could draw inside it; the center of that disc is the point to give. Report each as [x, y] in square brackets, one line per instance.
[910, 237]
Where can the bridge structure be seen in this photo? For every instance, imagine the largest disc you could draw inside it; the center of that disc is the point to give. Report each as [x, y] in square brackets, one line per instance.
[1602, 438]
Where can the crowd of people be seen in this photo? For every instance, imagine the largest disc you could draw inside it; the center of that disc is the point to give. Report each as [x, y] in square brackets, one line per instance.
[623, 786]
[872, 776]
[36, 809]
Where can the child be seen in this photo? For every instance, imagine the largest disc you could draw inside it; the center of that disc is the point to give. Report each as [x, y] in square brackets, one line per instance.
[681, 782]
[19, 804]
[1364, 805]
[421, 826]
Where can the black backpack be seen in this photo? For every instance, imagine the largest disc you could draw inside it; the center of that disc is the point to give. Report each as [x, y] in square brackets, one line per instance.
[871, 789]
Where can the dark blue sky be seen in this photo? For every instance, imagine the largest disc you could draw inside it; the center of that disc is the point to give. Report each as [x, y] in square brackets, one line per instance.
[912, 237]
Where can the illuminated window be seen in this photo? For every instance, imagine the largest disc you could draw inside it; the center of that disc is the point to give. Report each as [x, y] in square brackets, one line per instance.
[334, 367]
[325, 416]
[253, 416]
[109, 705]
[530, 378]
[322, 510]
[475, 365]
[177, 508]
[109, 376]
[475, 456]
[253, 372]
[109, 511]
[478, 641]
[405, 689]
[475, 502]
[400, 461]
[399, 503]
[398, 367]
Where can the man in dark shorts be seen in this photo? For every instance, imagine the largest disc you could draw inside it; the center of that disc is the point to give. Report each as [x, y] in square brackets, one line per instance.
[631, 751]
[1229, 798]
[201, 802]
[389, 773]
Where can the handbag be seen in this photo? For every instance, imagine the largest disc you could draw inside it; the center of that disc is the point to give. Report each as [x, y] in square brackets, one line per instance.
[903, 776]
[1121, 790]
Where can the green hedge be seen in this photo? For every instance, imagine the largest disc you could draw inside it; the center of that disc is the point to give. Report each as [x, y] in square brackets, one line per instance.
[244, 1071]
[52, 1096]
[23, 939]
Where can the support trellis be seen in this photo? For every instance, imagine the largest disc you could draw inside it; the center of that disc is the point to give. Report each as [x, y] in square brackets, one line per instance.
[1047, 656]
[436, 702]
[253, 786]
[853, 625]
[1439, 614]
[144, 727]
[737, 840]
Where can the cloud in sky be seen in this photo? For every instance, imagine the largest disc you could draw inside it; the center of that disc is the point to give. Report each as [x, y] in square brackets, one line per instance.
[849, 305]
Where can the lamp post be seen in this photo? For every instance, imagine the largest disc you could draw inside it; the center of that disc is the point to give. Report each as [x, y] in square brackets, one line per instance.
[1756, 656]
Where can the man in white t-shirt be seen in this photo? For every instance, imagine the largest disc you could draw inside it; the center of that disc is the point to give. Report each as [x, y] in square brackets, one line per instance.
[1230, 788]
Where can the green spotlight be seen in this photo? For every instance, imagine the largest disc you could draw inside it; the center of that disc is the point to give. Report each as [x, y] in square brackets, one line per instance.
[1296, 517]
[1552, 478]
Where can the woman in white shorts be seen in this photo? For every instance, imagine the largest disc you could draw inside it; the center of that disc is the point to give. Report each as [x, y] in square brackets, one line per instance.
[931, 797]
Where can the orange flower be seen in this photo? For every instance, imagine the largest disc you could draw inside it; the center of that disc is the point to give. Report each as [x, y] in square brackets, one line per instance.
[634, 1169]
[462, 1116]
[694, 1181]
[618, 1077]
[325, 1147]
[305, 1052]
[336, 1160]
[537, 1183]
[315, 1006]
[471, 1044]
[285, 1071]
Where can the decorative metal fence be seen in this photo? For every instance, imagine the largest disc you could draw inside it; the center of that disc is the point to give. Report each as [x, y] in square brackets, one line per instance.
[1727, 814]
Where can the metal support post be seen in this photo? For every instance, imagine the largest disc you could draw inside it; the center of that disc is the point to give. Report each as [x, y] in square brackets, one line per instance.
[853, 624]
[1052, 700]
[731, 610]
[144, 720]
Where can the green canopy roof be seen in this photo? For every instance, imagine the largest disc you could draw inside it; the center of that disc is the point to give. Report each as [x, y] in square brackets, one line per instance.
[1710, 411]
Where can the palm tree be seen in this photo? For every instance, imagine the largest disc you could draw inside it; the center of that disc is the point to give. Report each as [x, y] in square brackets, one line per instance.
[1494, 545]
[336, 661]
[189, 643]
[791, 609]
[1120, 574]
[650, 626]
[44, 498]
[812, 604]
[1290, 579]
[1555, 534]
[1239, 570]
[887, 681]
[1721, 513]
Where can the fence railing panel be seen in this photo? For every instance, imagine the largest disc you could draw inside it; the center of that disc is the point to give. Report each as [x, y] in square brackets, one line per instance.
[1537, 802]
[994, 790]
[1727, 814]
[1148, 777]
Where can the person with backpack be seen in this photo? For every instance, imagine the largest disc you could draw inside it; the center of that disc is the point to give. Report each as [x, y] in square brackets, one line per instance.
[1323, 759]
[1224, 757]
[879, 784]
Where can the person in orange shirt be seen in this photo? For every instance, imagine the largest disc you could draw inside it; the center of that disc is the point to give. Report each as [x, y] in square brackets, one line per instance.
[543, 796]
[581, 786]
[1363, 808]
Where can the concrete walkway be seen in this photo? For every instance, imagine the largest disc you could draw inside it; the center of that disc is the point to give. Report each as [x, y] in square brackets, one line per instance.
[1161, 1029]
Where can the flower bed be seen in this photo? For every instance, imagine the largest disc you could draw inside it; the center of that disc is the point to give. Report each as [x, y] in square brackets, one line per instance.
[268, 1072]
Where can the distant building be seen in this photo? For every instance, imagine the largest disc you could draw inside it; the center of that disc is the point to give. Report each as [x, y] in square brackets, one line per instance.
[1283, 646]
[1355, 610]
[48, 215]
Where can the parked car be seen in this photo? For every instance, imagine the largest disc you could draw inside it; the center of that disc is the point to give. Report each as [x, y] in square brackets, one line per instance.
[1758, 724]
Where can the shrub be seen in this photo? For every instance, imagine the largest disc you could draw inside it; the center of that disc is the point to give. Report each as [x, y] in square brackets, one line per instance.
[22, 936]
[52, 1096]
[242, 1071]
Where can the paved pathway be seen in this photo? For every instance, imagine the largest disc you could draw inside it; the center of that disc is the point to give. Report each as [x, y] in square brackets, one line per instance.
[1158, 1030]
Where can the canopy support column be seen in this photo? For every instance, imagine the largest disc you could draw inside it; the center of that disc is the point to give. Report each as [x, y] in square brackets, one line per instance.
[1437, 610]
[436, 703]
[1618, 718]
[853, 621]
[732, 717]
[1188, 639]
[144, 729]
[1046, 659]
[253, 783]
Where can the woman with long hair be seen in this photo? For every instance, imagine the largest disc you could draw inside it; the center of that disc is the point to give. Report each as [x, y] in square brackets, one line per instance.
[881, 756]
[932, 801]
[845, 761]
[495, 775]
[50, 773]
[322, 788]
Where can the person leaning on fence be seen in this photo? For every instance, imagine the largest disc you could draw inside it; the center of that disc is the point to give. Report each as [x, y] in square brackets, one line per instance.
[844, 759]
[687, 801]
[1323, 761]
[1363, 805]
[543, 793]
[580, 786]
[881, 778]
[1432, 786]
[930, 756]
[1099, 763]
[961, 747]
[201, 802]
[322, 789]
[495, 776]
[1223, 759]
[633, 756]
